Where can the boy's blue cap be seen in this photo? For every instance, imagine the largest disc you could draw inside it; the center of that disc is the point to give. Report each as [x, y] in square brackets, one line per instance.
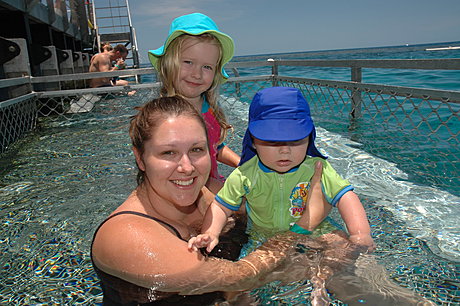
[279, 114]
[195, 24]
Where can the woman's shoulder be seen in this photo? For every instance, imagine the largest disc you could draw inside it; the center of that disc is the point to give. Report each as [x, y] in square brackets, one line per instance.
[131, 219]
[124, 226]
[130, 243]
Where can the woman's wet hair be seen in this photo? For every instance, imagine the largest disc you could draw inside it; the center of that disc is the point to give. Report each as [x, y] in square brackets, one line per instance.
[152, 114]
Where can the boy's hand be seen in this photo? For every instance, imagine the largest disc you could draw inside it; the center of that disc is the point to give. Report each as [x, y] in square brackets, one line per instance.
[121, 63]
[364, 240]
[317, 208]
[203, 240]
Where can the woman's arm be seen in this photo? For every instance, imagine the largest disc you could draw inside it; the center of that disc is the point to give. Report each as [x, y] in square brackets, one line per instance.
[146, 253]
[273, 260]
[228, 157]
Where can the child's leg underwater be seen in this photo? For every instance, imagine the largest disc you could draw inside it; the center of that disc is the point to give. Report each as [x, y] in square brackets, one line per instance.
[365, 281]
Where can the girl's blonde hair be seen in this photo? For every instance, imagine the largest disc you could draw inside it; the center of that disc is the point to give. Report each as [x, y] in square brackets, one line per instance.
[169, 67]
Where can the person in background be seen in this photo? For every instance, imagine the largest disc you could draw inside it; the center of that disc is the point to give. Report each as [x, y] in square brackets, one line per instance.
[106, 47]
[278, 161]
[140, 251]
[191, 64]
[102, 62]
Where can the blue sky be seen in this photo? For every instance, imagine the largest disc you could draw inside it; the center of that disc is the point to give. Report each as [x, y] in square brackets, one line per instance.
[266, 26]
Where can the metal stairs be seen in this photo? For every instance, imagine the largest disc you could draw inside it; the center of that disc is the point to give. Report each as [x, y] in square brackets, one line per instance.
[112, 23]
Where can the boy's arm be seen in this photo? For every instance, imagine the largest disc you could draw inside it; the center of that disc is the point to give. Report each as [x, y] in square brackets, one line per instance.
[214, 221]
[120, 64]
[317, 207]
[228, 157]
[354, 216]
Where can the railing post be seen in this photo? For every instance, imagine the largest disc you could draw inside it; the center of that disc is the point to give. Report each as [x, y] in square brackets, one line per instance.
[274, 71]
[237, 84]
[356, 98]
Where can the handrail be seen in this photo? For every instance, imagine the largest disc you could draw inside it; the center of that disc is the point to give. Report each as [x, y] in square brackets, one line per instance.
[19, 99]
[100, 90]
[90, 75]
[355, 65]
[14, 81]
[423, 93]
[426, 64]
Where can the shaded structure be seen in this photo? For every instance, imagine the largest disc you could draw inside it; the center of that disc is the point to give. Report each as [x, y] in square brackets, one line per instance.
[46, 46]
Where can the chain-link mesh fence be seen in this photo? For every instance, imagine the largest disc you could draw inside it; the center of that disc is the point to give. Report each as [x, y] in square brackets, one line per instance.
[417, 132]
[384, 120]
[399, 124]
[76, 103]
[16, 118]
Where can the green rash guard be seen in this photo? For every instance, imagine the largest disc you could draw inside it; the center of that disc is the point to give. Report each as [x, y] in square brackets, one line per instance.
[274, 201]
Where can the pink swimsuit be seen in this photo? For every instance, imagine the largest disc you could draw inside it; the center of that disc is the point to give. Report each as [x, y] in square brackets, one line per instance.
[214, 136]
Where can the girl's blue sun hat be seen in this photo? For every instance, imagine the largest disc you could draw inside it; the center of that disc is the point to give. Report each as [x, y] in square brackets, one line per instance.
[279, 114]
[195, 24]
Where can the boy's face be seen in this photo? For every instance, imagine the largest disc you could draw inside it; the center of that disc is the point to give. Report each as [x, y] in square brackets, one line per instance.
[281, 156]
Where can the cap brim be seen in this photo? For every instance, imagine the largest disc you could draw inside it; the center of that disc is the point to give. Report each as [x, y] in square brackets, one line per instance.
[280, 129]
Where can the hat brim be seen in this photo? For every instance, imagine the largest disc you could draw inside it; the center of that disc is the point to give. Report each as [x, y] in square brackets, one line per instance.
[225, 40]
[280, 129]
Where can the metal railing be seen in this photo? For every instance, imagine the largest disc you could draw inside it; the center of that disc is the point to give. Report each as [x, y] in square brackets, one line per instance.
[383, 119]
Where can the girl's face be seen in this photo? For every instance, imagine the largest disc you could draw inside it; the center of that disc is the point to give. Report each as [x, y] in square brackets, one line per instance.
[281, 156]
[198, 62]
[176, 163]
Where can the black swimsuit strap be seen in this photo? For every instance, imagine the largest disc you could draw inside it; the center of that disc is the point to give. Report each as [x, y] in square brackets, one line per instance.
[129, 212]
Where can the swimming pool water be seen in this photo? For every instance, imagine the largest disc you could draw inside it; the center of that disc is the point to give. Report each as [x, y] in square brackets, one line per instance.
[62, 180]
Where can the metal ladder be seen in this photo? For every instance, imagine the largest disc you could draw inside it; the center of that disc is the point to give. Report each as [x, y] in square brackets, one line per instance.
[112, 23]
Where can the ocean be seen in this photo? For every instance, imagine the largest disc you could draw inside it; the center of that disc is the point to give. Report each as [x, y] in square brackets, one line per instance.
[442, 79]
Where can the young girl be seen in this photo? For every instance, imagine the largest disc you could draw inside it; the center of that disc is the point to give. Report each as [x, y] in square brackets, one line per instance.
[190, 64]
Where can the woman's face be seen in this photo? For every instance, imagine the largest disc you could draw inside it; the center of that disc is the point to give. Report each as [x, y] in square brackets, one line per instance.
[176, 160]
